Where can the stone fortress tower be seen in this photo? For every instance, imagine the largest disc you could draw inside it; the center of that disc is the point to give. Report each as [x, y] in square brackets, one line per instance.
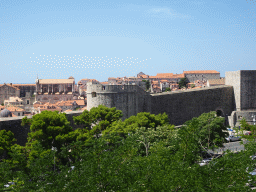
[131, 99]
[244, 85]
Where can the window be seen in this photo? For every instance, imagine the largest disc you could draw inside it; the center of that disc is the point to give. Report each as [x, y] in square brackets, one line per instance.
[18, 114]
[93, 94]
[27, 101]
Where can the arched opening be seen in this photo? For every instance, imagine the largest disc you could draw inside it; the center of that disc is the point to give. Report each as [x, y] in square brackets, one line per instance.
[219, 113]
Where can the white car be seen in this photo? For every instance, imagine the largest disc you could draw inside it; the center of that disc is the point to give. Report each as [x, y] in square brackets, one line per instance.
[205, 161]
[233, 138]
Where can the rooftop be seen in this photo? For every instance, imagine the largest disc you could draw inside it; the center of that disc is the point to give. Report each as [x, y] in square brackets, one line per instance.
[56, 81]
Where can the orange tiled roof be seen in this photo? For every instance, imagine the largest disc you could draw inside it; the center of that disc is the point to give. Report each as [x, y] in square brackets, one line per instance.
[15, 109]
[217, 81]
[79, 102]
[167, 75]
[64, 103]
[9, 86]
[164, 74]
[200, 71]
[144, 76]
[104, 83]
[154, 82]
[56, 81]
[23, 84]
[112, 78]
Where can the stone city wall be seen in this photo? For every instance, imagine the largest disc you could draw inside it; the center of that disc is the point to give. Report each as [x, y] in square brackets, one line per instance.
[244, 83]
[130, 99]
[182, 106]
[20, 133]
[248, 87]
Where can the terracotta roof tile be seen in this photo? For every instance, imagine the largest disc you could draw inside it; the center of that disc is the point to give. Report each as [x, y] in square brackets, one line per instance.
[80, 102]
[216, 81]
[154, 82]
[9, 86]
[164, 74]
[56, 81]
[23, 85]
[15, 109]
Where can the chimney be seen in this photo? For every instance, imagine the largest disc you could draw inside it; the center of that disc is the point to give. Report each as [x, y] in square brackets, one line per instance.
[11, 84]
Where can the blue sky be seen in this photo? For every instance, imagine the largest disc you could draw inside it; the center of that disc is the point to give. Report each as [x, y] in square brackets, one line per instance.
[115, 38]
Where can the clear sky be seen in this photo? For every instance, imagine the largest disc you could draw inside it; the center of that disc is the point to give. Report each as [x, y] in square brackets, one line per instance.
[114, 38]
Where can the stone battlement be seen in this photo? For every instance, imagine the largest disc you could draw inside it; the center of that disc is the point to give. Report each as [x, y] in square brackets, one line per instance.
[110, 88]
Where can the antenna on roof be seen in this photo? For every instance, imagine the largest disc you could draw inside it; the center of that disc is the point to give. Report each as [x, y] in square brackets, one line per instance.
[37, 76]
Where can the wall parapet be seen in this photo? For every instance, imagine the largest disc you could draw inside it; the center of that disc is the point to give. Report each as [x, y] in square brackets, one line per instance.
[20, 133]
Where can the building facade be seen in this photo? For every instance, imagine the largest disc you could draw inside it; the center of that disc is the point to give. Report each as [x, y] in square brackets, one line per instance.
[6, 91]
[53, 90]
[202, 75]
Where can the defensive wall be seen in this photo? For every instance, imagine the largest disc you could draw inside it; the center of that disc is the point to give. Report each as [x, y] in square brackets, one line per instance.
[181, 106]
[238, 95]
[244, 84]
[131, 99]
[20, 133]
[233, 101]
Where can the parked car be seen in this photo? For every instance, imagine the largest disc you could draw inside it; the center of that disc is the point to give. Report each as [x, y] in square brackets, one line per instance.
[248, 133]
[233, 138]
[205, 161]
[230, 129]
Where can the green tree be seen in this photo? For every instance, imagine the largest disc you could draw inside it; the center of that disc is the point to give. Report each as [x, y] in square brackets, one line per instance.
[48, 128]
[244, 124]
[98, 118]
[143, 119]
[6, 141]
[205, 132]
[183, 82]
[247, 127]
[147, 84]
[51, 129]
[167, 89]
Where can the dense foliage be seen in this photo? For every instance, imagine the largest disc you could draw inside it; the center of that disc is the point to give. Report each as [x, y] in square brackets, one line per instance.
[141, 153]
[147, 84]
[183, 82]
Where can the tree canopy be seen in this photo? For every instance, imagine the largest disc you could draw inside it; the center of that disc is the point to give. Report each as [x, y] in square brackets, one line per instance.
[183, 82]
[141, 153]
